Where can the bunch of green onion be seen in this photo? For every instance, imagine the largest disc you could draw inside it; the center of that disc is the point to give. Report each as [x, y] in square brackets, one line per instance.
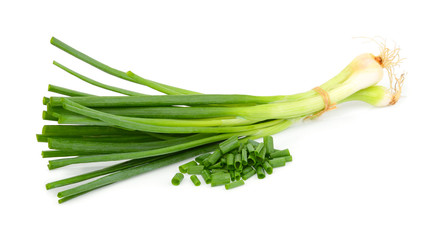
[141, 132]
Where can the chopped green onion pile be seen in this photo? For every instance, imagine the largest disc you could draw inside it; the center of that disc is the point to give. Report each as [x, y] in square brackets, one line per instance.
[233, 160]
[139, 133]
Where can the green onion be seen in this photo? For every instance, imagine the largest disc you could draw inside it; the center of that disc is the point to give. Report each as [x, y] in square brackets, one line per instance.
[67, 92]
[237, 175]
[268, 168]
[101, 172]
[178, 177]
[45, 100]
[195, 169]
[229, 144]
[164, 100]
[105, 139]
[219, 170]
[252, 159]
[280, 153]
[216, 165]
[206, 176]
[41, 138]
[234, 184]
[202, 157]
[230, 161]
[238, 161]
[250, 148]
[212, 159]
[195, 180]
[232, 175]
[259, 148]
[241, 146]
[269, 144]
[247, 169]
[96, 83]
[223, 161]
[248, 174]
[220, 179]
[118, 147]
[184, 167]
[134, 171]
[151, 131]
[260, 172]
[262, 154]
[244, 154]
[277, 162]
[253, 143]
[78, 131]
[132, 155]
[48, 116]
[288, 158]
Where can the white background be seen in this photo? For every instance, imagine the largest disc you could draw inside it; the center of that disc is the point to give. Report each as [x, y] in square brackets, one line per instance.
[359, 172]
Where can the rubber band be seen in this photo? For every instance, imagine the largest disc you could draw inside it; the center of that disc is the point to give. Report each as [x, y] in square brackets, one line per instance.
[326, 100]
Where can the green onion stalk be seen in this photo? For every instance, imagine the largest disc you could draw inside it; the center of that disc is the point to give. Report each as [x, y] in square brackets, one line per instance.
[151, 131]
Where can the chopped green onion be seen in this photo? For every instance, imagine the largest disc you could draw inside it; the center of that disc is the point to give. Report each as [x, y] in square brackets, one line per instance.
[262, 153]
[178, 177]
[244, 157]
[268, 168]
[269, 144]
[250, 148]
[195, 169]
[289, 158]
[184, 168]
[230, 161]
[219, 170]
[247, 169]
[277, 162]
[280, 153]
[216, 165]
[202, 157]
[237, 175]
[259, 148]
[248, 174]
[195, 180]
[253, 143]
[232, 175]
[223, 161]
[206, 176]
[229, 144]
[241, 146]
[234, 184]
[238, 161]
[260, 172]
[212, 159]
[252, 159]
[220, 179]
